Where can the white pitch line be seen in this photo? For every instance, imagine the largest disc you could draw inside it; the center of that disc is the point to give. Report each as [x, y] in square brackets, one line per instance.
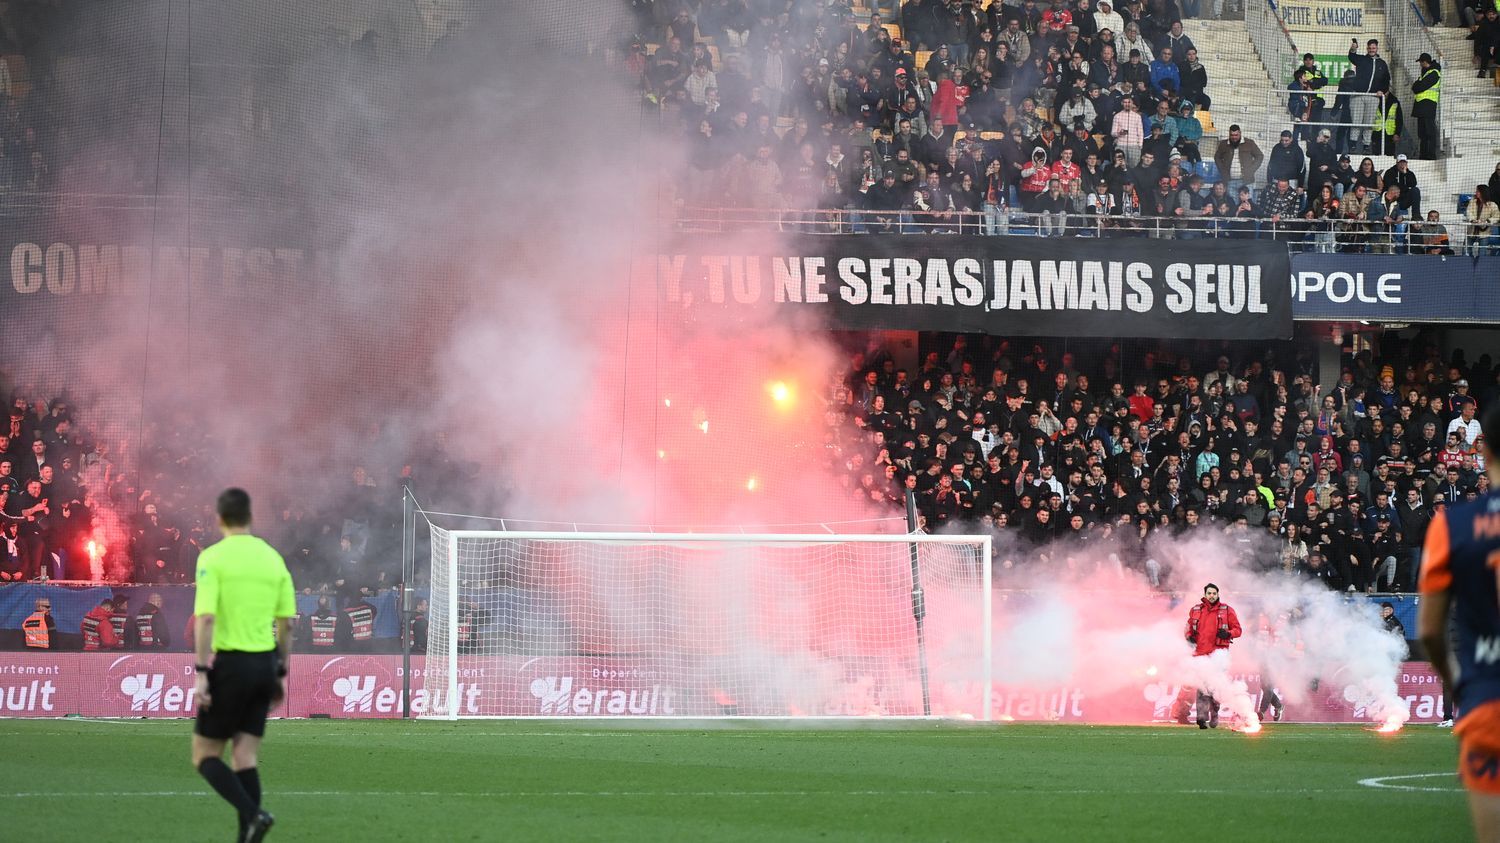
[1381, 782]
[693, 794]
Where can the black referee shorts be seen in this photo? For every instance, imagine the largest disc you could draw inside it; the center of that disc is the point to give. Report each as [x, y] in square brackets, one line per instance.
[241, 686]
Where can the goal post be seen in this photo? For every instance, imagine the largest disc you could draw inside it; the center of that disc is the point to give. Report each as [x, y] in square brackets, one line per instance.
[698, 625]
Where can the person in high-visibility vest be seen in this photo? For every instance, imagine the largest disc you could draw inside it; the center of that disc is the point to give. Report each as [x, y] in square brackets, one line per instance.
[150, 627]
[1426, 89]
[356, 625]
[97, 631]
[1388, 126]
[321, 626]
[39, 628]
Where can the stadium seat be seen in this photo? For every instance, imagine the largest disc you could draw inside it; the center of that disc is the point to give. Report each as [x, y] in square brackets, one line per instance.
[989, 136]
[1463, 202]
[922, 57]
[1206, 117]
[893, 28]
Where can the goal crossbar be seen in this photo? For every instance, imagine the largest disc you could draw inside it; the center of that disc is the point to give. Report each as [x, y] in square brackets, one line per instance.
[683, 538]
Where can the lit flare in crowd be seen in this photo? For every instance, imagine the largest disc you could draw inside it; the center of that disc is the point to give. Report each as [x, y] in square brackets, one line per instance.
[781, 394]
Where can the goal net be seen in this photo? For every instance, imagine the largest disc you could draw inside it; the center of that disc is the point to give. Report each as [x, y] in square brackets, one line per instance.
[684, 625]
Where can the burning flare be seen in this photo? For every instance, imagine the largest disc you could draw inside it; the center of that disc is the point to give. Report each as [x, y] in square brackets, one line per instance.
[1391, 725]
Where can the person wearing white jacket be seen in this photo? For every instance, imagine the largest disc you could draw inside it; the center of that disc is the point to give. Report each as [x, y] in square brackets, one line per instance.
[1108, 18]
[1133, 40]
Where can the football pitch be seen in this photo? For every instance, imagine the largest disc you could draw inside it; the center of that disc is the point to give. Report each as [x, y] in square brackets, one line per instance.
[333, 780]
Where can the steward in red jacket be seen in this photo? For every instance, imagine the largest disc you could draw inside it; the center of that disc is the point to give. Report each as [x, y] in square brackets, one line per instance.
[1212, 625]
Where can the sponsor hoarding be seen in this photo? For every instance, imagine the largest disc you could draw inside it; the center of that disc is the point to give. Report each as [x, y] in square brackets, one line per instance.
[151, 685]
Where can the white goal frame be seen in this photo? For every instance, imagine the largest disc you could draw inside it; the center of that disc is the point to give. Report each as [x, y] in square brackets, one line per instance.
[912, 540]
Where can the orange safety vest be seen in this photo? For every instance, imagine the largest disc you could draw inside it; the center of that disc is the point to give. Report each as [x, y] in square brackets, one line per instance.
[323, 627]
[35, 628]
[361, 622]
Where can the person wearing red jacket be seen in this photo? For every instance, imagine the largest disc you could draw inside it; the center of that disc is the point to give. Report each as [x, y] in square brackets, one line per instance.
[97, 630]
[1211, 626]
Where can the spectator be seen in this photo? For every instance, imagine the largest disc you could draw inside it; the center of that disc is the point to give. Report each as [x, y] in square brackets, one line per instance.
[1107, 19]
[1466, 426]
[1392, 221]
[1128, 131]
[1283, 206]
[1483, 216]
[1287, 163]
[1354, 228]
[1485, 33]
[1371, 76]
[1051, 207]
[1401, 175]
[1134, 45]
[1165, 74]
[1430, 237]
[1238, 159]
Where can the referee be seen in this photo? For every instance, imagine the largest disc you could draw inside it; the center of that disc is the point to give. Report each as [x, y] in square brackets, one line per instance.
[243, 584]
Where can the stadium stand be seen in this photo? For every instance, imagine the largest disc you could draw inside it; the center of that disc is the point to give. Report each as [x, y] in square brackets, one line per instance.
[793, 123]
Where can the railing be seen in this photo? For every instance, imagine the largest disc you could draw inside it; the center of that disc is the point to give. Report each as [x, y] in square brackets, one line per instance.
[1273, 43]
[1300, 234]
[1463, 116]
[1407, 35]
[1278, 116]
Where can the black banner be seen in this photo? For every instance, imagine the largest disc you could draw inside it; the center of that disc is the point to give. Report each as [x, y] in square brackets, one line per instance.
[1014, 286]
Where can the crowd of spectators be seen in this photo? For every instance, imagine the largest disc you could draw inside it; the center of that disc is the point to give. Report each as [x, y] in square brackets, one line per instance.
[74, 506]
[1025, 117]
[1054, 452]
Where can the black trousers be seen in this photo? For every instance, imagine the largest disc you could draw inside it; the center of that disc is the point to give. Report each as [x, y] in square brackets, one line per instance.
[1427, 133]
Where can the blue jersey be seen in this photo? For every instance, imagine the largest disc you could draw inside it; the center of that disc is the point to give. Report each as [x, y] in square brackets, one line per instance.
[1462, 557]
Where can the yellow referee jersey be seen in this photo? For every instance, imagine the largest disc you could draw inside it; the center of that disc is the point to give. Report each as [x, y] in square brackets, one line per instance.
[243, 582]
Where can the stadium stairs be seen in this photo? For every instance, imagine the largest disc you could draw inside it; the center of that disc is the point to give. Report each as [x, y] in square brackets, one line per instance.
[1237, 81]
[1474, 142]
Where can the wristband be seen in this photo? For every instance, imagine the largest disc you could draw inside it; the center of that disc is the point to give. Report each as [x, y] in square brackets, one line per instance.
[202, 668]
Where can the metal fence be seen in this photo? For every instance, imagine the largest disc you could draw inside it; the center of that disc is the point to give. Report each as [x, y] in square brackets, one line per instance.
[1452, 234]
[1273, 43]
[1278, 116]
[1407, 36]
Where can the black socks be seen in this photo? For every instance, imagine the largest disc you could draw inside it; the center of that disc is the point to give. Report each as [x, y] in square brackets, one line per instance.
[250, 781]
[228, 785]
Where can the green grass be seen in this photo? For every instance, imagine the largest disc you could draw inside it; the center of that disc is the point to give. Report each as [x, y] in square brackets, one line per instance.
[545, 780]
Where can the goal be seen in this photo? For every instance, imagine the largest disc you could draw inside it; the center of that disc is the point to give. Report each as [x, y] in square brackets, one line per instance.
[539, 624]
